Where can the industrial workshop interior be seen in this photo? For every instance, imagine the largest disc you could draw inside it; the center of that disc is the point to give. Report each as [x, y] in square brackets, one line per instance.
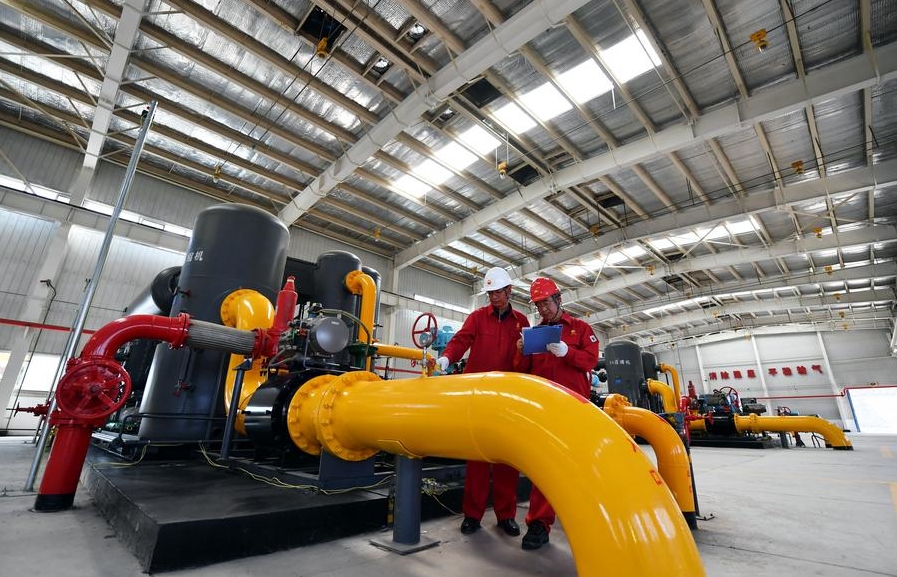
[419, 288]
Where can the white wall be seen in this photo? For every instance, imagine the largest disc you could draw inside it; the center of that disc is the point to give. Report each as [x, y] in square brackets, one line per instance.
[853, 358]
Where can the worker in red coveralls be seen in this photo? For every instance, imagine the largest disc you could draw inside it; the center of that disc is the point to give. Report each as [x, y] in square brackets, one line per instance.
[568, 364]
[490, 333]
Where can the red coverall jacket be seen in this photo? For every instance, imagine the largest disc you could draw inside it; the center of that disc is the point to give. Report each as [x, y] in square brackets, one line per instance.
[492, 341]
[570, 371]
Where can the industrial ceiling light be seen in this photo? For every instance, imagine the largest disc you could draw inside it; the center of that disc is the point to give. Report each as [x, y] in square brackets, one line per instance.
[759, 40]
[416, 32]
[502, 169]
[381, 65]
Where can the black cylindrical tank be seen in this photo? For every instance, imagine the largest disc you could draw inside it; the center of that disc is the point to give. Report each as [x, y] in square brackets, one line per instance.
[233, 246]
[331, 269]
[625, 372]
[157, 297]
[649, 362]
[377, 280]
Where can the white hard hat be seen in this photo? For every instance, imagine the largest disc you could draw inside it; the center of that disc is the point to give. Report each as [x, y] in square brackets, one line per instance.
[496, 278]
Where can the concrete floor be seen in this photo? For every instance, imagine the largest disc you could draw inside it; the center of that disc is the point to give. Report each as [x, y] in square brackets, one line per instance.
[792, 512]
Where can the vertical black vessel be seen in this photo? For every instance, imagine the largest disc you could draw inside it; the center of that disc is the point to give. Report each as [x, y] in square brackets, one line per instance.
[232, 247]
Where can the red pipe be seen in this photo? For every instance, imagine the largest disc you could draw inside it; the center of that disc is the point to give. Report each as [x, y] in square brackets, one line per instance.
[108, 339]
[267, 340]
[60, 480]
[94, 385]
[828, 396]
[89, 379]
[46, 327]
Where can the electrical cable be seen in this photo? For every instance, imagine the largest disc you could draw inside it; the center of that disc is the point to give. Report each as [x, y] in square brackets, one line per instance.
[276, 482]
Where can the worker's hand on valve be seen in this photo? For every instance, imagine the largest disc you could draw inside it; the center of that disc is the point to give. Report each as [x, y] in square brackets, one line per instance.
[442, 363]
[558, 349]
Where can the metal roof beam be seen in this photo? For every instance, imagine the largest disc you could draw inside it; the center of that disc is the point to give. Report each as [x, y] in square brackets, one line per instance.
[880, 270]
[711, 315]
[504, 40]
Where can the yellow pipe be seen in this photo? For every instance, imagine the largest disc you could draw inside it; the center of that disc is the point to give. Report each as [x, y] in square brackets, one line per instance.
[668, 369]
[604, 489]
[672, 459]
[834, 437]
[404, 353]
[246, 310]
[655, 387]
[697, 425]
[360, 283]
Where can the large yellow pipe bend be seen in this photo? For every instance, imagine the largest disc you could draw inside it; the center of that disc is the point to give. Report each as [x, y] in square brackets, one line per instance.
[245, 309]
[619, 516]
[670, 405]
[673, 462]
[670, 370]
[834, 437]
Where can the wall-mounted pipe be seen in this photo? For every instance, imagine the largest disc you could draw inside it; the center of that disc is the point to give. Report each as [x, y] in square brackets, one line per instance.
[604, 489]
[834, 437]
[670, 370]
[669, 397]
[673, 462]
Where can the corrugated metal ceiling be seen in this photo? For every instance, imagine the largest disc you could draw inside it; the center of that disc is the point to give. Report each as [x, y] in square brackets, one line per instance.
[250, 114]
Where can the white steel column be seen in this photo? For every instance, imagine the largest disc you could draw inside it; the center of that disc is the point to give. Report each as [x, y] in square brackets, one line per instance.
[762, 376]
[704, 385]
[847, 418]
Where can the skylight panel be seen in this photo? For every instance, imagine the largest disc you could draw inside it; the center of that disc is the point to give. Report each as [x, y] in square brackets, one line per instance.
[432, 172]
[478, 139]
[741, 227]
[661, 244]
[711, 233]
[634, 252]
[585, 81]
[412, 187]
[456, 156]
[546, 102]
[631, 57]
[575, 271]
[687, 238]
[514, 118]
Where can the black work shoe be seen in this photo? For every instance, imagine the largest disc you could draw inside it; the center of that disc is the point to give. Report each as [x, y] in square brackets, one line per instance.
[469, 525]
[536, 536]
[510, 527]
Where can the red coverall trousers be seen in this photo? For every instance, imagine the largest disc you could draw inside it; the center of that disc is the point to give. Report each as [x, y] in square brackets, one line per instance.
[476, 490]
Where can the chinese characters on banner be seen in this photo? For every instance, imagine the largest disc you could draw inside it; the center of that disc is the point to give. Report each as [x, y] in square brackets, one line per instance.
[773, 371]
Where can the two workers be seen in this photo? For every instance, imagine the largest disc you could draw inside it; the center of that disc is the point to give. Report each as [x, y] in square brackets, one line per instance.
[493, 335]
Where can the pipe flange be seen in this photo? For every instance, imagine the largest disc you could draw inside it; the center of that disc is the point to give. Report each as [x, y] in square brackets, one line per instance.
[301, 413]
[228, 314]
[328, 417]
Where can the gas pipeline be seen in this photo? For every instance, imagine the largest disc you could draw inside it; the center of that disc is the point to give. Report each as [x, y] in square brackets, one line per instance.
[294, 379]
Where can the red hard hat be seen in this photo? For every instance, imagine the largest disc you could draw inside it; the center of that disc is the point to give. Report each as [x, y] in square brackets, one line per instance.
[541, 289]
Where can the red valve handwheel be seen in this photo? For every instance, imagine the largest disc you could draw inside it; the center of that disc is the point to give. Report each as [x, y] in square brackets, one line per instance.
[430, 327]
[94, 389]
